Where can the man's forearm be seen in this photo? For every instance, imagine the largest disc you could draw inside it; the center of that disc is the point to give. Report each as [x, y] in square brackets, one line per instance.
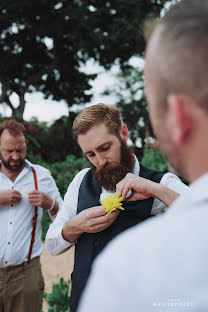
[70, 231]
[164, 194]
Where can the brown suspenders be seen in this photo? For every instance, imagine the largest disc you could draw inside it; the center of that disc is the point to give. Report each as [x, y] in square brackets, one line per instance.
[34, 218]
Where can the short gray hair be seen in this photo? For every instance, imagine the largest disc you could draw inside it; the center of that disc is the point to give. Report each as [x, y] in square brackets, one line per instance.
[183, 50]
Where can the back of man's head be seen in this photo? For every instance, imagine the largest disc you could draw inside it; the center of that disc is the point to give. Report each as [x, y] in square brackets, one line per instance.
[95, 114]
[182, 51]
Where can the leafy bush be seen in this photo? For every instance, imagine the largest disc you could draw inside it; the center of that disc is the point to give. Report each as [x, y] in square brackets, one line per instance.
[153, 159]
[58, 300]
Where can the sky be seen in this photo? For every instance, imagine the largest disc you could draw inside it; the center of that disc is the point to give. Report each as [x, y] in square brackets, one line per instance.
[48, 110]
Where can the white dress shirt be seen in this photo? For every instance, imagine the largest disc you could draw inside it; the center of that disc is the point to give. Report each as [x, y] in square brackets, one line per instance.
[167, 272]
[56, 244]
[16, 220]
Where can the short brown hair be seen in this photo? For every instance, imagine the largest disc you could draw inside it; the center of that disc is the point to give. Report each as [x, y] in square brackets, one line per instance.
[95, 114]
[182, 52]
[15, 128]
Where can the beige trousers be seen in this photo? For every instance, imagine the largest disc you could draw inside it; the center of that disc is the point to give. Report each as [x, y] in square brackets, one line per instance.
[21, 287]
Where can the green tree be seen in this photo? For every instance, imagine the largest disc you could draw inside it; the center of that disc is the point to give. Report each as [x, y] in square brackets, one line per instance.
[44, 43]
[55, 141]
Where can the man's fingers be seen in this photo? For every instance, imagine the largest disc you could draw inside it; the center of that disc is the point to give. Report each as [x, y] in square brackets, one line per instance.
[16, 196]
[106, 219]
[103, 225]
[95, 212]
[123, 189]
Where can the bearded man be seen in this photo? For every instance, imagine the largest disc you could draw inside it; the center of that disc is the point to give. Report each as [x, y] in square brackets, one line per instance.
[25, 190]
[102, 136]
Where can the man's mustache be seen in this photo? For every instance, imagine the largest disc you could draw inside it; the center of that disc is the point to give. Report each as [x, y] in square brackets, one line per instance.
[108, 167]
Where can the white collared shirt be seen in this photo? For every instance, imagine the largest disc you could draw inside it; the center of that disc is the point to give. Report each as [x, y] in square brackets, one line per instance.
[56, 244]
[167, 272]
[16, 220]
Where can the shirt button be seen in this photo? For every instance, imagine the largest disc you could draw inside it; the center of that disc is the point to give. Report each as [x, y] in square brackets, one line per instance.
[10, 222]
[12, 187]
[12, 205]
[8, 243]
[5, 261]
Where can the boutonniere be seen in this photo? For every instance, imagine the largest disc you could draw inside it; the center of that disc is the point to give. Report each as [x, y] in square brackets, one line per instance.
[112, 202]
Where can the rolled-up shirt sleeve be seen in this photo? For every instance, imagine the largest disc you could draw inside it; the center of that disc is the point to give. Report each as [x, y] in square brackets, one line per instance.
[55, 243]
[173, 182]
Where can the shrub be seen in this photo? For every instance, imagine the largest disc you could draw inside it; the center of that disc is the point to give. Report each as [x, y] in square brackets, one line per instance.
[58, 300]
[153, 159]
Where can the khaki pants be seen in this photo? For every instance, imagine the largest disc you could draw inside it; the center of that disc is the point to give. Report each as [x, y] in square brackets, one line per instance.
[21, 287]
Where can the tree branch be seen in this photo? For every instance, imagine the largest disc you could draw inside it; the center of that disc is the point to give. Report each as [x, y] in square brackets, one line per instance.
[21, 106]
[7, 101]
[4, 93]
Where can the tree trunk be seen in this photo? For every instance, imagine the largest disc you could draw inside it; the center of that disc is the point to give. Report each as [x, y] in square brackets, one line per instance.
[17, 113]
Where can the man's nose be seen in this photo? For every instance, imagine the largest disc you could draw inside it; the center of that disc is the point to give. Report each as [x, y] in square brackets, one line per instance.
[101, 161]
[15, 156]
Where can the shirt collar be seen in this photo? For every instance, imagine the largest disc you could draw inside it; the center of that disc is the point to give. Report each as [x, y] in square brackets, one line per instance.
[28, 164]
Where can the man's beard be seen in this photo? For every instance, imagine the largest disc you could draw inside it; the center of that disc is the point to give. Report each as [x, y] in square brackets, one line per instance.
[13, 168]
[112, 173]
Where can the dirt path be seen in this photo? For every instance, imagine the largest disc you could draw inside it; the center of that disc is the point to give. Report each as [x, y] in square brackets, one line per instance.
[55, 267]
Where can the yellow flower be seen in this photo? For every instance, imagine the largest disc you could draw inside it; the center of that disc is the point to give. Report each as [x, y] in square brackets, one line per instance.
[112, 202]
[29, 192]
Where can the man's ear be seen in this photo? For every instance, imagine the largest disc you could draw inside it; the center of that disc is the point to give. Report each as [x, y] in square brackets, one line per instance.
[180, 121]
[124, 132]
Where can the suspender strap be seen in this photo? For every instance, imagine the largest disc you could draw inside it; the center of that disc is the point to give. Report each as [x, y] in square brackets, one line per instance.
[34, 218]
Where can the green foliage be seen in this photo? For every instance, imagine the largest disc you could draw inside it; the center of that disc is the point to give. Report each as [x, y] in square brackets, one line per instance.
[43, 44]
[154, 160]
[53, 143]
[56, 140]
[58, 300]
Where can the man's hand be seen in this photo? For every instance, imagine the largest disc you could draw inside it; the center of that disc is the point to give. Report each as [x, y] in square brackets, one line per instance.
[10, 197]
[40, 199]
[141, 188]
[91, 220]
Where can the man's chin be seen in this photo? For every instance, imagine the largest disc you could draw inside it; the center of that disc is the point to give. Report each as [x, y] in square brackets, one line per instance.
[14, 168]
